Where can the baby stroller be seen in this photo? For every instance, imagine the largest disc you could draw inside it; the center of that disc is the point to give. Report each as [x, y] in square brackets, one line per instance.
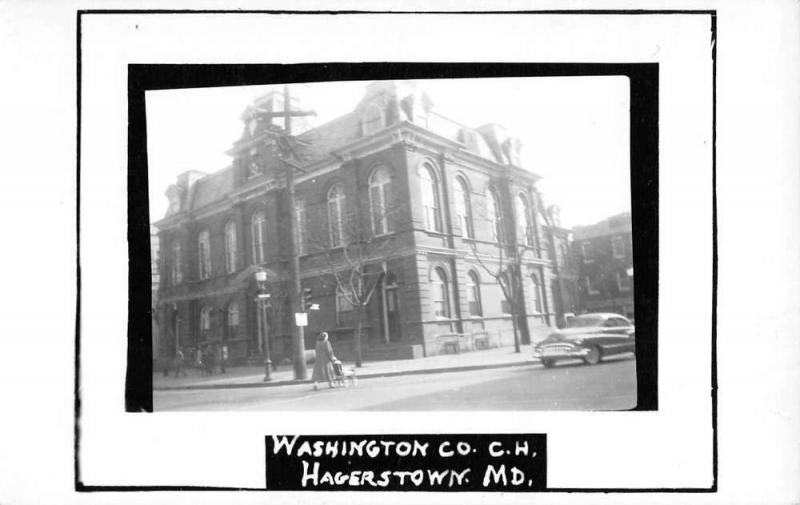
[342, 375]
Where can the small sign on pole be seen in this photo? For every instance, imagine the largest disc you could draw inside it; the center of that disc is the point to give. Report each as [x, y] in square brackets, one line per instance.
[301, 318]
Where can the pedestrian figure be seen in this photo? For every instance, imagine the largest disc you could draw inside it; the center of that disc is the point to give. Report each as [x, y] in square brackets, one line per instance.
[223, 358]
[323, 363]
[179, 364]
[208, 361]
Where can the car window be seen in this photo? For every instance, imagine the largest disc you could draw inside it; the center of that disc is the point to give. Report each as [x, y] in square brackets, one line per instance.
[585, 322]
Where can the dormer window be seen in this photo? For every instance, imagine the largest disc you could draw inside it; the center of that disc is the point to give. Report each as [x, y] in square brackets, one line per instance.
[174, 197]
[255, 165]
[373, 120]
[469, 138]
[252, 125]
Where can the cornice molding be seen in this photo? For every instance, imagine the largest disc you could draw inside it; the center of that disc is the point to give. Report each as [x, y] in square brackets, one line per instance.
[404, 134]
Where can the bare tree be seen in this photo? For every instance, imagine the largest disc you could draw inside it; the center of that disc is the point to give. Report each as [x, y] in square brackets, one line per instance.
[357, 247]
[505, 269]
[512, 243]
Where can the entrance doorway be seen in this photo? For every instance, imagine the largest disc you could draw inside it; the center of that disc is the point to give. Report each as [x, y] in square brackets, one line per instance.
[392, 331]
[176, 328]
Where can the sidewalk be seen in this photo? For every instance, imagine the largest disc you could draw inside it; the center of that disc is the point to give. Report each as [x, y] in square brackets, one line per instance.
[253, 376]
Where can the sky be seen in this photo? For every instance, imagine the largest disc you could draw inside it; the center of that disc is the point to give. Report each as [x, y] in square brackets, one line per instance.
[574, 131]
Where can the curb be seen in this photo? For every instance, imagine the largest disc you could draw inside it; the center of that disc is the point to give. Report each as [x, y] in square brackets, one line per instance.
[465, 368]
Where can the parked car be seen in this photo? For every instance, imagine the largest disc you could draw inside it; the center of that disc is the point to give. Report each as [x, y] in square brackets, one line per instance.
[589, 337]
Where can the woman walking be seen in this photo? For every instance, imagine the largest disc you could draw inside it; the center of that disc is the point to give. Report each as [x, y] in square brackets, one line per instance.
[323, 363]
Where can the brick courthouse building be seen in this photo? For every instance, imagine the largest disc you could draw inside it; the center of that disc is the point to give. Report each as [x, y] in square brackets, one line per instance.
[436, 194]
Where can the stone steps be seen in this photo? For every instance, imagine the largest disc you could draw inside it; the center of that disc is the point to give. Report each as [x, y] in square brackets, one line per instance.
[378, 351]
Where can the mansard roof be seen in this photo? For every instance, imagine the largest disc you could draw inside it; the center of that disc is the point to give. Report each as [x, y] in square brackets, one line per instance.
[213, 187]
[318, 143]
[489, 142]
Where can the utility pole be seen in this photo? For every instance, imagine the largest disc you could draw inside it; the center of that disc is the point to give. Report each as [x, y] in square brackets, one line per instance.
[289, 158]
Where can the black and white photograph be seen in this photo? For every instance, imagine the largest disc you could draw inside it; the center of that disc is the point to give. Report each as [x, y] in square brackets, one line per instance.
[330, 252]
[450, 244]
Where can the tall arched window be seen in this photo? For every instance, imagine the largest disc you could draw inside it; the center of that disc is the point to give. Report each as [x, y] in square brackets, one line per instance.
[463, 207]
[344, 309]
[204, 254]
[430, 198]
[372, 120]
[300, 213]
[205, 323]
[336, 201]
[494, 214]
[258, 232]
[176, 274]
[379, 195]
[524, 230]
[230, 247]
[233, 320]
[537, 295]
[474, 294]
[440, 292]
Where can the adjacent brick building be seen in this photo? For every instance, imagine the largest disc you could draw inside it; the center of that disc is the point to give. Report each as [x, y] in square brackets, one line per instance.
[604, 254]
[433, 196]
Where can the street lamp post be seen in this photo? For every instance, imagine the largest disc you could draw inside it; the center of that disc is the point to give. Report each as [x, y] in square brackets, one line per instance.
[262, 301]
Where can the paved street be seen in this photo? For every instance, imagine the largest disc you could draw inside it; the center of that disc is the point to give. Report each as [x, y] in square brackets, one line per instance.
[608, 386]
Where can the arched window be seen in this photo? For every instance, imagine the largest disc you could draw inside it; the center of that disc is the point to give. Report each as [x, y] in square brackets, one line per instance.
[205, 323]
[344, 309]
[430, 198]
[258, 232]
[463, 207]
[537, 295]
[336, 201]
[440, 292]
[495, 215]
[233, 320]
[204, 254]
[230, 247]
[372, 120]
[378, 200]
[255, 165]
[300, 213]
[474, 294]
[176, 274]
[524, 229]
